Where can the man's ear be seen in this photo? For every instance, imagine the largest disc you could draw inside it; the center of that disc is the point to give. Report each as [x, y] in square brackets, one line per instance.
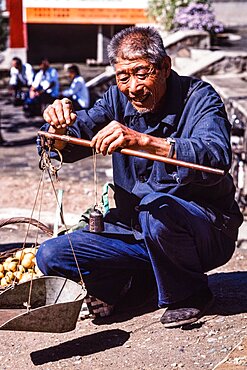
[166, 66]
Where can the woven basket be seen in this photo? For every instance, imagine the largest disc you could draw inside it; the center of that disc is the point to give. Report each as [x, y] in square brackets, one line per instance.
[19, 220]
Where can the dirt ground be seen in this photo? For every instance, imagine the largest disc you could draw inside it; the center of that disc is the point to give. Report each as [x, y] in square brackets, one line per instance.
[132, 338]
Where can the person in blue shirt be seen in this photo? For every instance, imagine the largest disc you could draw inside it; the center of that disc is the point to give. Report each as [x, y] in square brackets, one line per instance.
[77, 92]
[44, 89]
[171, 224]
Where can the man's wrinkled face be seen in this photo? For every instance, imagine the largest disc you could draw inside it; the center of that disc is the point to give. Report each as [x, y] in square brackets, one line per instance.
[142, 83]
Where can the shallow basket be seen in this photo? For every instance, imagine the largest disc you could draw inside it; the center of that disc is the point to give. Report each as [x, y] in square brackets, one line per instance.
[55, 305]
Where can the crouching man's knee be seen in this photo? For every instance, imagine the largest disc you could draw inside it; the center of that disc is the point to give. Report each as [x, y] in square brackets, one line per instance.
[46, 258]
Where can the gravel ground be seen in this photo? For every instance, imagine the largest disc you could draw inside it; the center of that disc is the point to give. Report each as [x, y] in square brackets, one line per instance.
[132, 339]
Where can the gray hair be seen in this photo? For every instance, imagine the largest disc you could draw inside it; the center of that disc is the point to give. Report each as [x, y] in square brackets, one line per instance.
[137, 42]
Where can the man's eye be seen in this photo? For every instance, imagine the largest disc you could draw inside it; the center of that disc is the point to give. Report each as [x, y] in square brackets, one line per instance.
[123, 78]
[142, 76]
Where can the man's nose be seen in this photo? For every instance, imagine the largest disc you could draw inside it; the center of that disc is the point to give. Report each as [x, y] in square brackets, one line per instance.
[134, 84]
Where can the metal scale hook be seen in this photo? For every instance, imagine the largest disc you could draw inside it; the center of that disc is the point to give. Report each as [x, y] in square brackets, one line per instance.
[45, 159]
[96, 222]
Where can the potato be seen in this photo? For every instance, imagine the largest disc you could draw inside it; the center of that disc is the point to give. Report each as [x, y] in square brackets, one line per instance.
[27, 261]
[21, 268]
[12, 266]
[9, 275]
[6, 265]
[30, 250]
[18, 275]
[29, 255]
[9, 259]
[19, 255]
[7, 279]
[3, 282]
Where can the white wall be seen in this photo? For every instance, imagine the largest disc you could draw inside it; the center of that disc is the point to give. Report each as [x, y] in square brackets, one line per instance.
[232, 13]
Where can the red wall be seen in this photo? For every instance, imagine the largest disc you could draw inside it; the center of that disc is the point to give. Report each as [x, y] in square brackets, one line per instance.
[17, 39]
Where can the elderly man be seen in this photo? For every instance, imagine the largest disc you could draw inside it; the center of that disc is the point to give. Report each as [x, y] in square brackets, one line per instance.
[171, 224]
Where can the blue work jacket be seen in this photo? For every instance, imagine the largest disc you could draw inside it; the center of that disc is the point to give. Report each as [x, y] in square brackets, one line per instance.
[194, 115]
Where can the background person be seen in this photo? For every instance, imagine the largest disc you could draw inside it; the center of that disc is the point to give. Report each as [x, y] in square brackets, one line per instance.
[77, 92]
[21, 76]
[44, 89]
[171, 224]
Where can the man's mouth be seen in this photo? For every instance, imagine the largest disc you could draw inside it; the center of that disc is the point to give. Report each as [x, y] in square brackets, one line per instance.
[139, 99]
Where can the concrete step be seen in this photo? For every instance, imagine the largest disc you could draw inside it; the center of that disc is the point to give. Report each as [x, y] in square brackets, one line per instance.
[204, 62]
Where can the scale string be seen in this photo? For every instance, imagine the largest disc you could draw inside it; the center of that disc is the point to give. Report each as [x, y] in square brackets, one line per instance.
[41, 185]
[46, 165]
[29, 224]
[95, 180]
[34, 205]
[66, 228]
[39, 211]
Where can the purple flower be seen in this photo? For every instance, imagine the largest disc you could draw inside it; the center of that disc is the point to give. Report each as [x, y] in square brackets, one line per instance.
[197, 16]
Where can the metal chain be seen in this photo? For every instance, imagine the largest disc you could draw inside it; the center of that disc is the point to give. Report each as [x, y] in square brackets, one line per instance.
[46, 164]
[45, 161]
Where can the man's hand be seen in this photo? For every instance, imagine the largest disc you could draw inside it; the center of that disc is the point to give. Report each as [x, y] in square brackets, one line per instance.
[60, 115]
[114, 136]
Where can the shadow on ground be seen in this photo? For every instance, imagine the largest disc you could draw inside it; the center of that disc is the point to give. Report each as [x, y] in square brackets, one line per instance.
[83, 346]
[230, 290]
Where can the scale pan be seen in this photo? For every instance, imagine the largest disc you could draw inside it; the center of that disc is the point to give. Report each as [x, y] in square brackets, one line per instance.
[55, 305]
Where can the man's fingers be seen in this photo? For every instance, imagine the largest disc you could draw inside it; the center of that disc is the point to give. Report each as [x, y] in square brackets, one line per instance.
[103, 133]
[109, 138]
[73, 117]
[115, 145]
[47, 116]
[60, 113]
[50, 115]
[66, 101]
[106, 142]
[103, 146]
[69, 115]
[67, 110]
[99, 138]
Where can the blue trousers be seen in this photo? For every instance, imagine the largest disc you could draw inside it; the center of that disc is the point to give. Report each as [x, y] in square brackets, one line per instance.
[179, 244]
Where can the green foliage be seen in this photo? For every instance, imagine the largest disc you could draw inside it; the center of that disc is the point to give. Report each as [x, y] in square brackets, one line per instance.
[163, 11]
[3, 32]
